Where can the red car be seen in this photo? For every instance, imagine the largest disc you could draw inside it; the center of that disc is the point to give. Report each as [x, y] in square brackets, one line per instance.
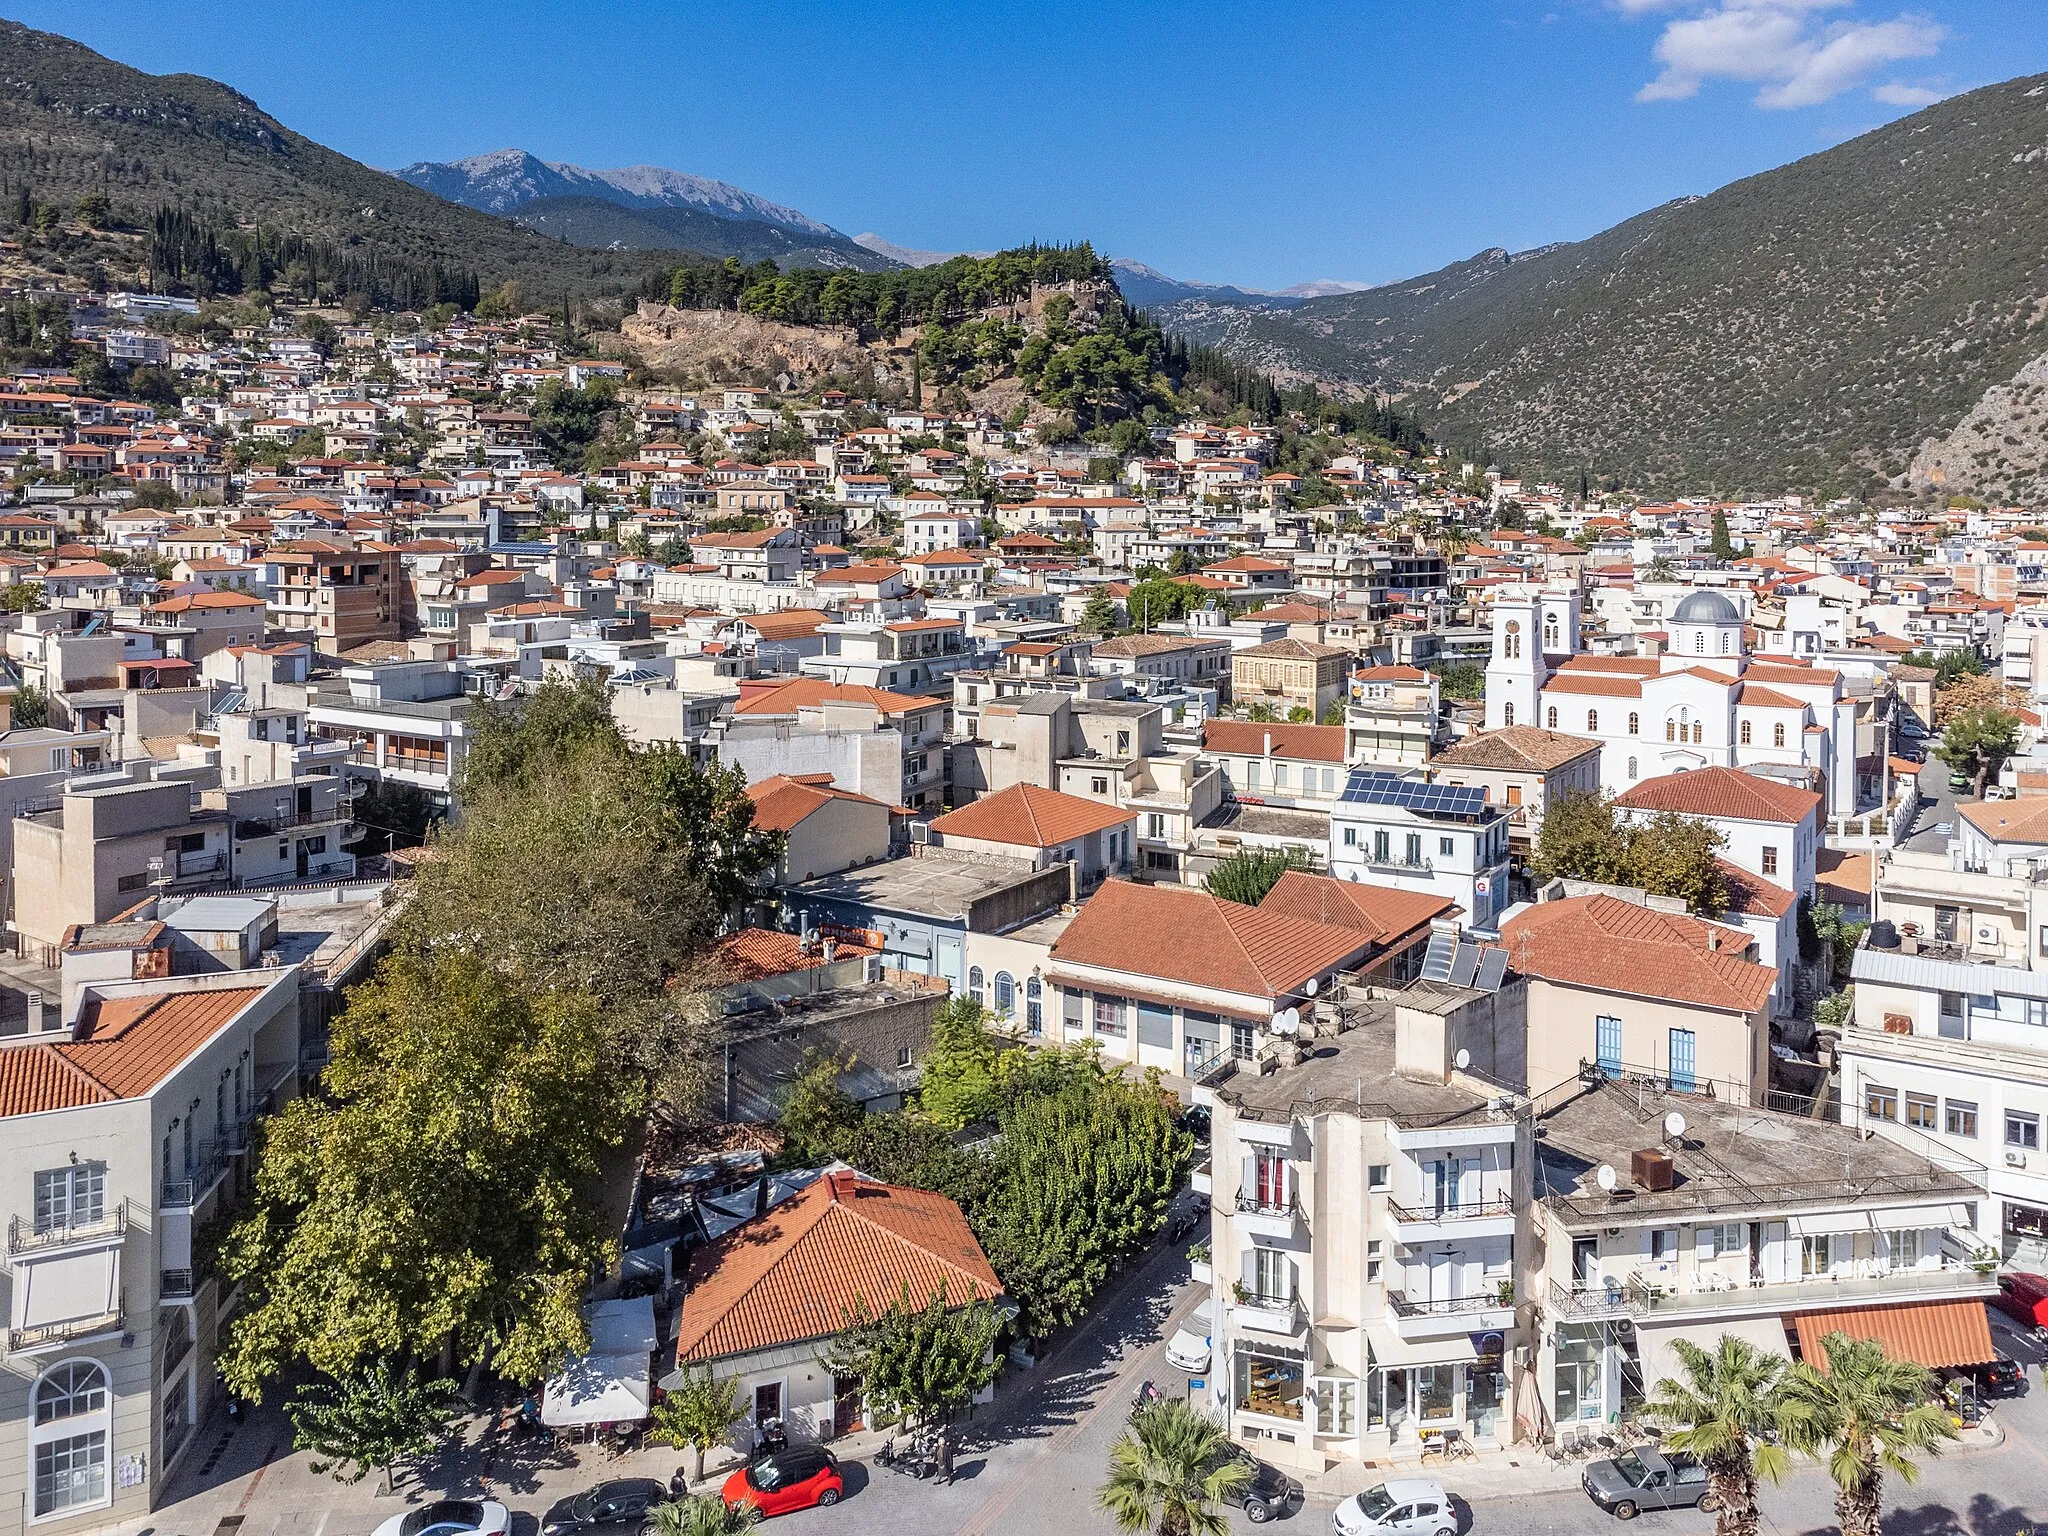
[2023, 1297]
[795, 1477]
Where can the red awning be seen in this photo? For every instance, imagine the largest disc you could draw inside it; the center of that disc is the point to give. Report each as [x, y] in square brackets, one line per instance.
[1935, 1334]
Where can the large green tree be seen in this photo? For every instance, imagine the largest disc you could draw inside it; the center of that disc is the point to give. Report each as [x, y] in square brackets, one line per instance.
[373, 1418]
[1867, 1414]
[1728, 1409]
[432, 1198]
[699, 1414]
[1585, 838]
[966, 1067]
[1977, 741]
[1170, 1473]
[1247, 875]
[921, 1360]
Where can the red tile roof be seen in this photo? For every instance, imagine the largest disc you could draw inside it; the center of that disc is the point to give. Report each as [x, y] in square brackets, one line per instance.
[1752, 895]
[1613, 945]
[1319, 743]
[1601, 687]
[790, 1277]
[784, 800]
[1380, 912]
[1191, 937]
[1029, 816]
[1936, 1334]
[806, 692]
[753, 953]
[125, 1047]
[1723, 792]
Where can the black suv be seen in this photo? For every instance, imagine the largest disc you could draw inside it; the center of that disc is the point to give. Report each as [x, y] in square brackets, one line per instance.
[1270, 1492]
[618, 1508]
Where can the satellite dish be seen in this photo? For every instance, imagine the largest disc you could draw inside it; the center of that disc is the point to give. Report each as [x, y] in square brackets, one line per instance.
[1605, 1177]
[1287, 1021]
[1674, 1125]
[1311, 987]
[1463, 1059]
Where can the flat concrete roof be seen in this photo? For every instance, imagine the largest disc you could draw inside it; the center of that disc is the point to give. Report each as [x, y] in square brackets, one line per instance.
[219, 914]
[1731, 1157]
[925, 887]
[1354, 1072]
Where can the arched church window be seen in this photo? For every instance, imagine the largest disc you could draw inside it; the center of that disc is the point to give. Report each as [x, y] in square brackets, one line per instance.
[1745, 733]
[1778, 734]
[1592, 720]
[1699, 640]
[1631, 767]
[1551, 718]
[1635, 723]
[1508, 714]
[1671, 730]
[1698, 733]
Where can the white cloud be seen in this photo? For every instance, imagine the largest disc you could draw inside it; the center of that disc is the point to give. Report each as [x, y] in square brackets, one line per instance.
[1896, 93]
[1795, 56]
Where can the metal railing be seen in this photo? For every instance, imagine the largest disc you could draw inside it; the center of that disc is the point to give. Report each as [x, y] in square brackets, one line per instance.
[27, 1237]
[1251, 1203]
[1588, 1300]
[207, 1169]
[1412, 866]
[1463, 1210]
[1273, 1314]
[44, 1334]
[1448, 1306]
[1647, 1295]
[190, 864]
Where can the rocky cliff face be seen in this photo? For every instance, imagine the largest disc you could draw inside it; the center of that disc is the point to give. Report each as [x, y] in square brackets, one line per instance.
[1999, 451]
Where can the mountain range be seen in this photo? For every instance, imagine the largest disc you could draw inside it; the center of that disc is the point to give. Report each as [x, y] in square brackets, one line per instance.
[1856, 319]
[639, 207]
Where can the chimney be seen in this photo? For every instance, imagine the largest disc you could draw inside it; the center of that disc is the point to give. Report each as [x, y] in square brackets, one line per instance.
[38, 1014]
[831, 947]
[1269, 743]
[1713, 939]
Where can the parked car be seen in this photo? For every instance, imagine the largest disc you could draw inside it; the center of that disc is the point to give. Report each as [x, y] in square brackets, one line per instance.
[2023, 1297]
[1270, 1493]
[779, 1482]
[1409, 1506]
[1188, 1349]
[617, 1508]
[1646, 1478]
[450, 1517]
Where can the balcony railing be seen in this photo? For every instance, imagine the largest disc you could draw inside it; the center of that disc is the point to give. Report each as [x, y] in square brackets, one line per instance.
[1449, 1306]
[192, 864]
[1589, 1300]
[1272, 1314]
[1251, 1203]
[44, 1335]
[26, 1237]
[1463, 1210]
[1654, 1295]
[1399, 865]
[207, 1170]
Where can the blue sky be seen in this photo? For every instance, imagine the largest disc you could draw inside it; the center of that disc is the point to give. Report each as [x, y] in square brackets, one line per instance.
[1262, 144]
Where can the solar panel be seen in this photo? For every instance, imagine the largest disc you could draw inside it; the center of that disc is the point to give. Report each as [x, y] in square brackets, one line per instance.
[1369, 787]
[1493, 969]
[1436, 961]
[1464, 965]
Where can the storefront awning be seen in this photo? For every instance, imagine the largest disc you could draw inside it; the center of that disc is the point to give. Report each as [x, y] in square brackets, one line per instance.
[1390, 1350]
[1940, 1214]
[614, 1383]
[1829, 1223]
[1930, 1333]
[1660, 1361]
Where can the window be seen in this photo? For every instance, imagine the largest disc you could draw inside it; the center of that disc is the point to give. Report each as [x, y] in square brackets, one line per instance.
[1631, 767]
[1511, 640]
[174, 1326]
[1814, 1255]
[71, 1473]
[1682, 1045]
[1770, 861]
[1592, 720]
[71, 1197]
[1921, 1111]
[1550, 717]
[1961, 1119]
[1508, 718]
[1351, 837]
[1240, 1040]
[977, 987]
[72, 1389]
[1376, 1175]
[1635, 723]
[70, 1447]
[1744, 733]
[1671, 730]
[1006, 994]
[1778, 734]
[1109, 1017]
[2022, 1129]
[1902, 1248]
[1698, 733]
[1444, 846]
[1034, 1005]
[1664, 1246]
[1880, 1103]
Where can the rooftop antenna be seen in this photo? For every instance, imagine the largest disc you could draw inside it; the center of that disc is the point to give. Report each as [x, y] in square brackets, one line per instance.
[1674, 1126]
[1605, 1177]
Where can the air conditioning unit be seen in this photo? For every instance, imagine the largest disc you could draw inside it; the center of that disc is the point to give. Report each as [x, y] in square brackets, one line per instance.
[920, 832]
[2015, 1159]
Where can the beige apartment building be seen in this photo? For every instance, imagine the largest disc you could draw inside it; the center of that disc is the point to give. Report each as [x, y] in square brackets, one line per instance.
[1290, 674]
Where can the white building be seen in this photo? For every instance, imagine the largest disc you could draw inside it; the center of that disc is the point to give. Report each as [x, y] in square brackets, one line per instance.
[1417, 836]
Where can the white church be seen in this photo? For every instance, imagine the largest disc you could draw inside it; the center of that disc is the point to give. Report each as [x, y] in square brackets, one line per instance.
[1702, 702]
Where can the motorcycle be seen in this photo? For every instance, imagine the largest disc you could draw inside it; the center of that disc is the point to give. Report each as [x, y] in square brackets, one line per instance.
[1182, 1224]
[915, 1460]
[1147, 1396]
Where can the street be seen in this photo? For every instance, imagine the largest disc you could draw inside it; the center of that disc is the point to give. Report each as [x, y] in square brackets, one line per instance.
[1032, 1466]
[1937, 806]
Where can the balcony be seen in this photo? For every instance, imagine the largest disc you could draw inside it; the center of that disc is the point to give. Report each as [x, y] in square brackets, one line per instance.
[200, 1180]
[1652, 1296]
[195, 866]
[1490, 1311]
[1259, 1216]
[1397, 866]
[26, 1237]
[42, 1336]
[1589, 1301]
[1463, 1219]
[1280, 1316]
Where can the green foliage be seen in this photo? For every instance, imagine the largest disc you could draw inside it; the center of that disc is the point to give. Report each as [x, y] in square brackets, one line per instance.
[431, 1195]
[1299, 714]
[1719, 544]
[1170, 1472]
[1160, 601]
[21, 597]
[1085, 1168]
[1835, 1010]
[31, 707]
[817, 1112]
[1868, 1414]
[966, 1070]
[1833, 927]
[1669, 855]
[1977, 740]
[1247, 875]
[922, 1360]
[1099, 616]
[1728, 1409]
[1461, 680]
[697, 1414]
[370, 1418]
[705, 1515]
[191, 254]
[1334, 715]
[570, 421]
[392, 815]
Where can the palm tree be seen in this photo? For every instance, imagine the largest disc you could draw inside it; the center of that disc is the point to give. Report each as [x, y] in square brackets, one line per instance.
[1169, 1474]
[705, 1516]
[1726, 1411]
[1870, 1413]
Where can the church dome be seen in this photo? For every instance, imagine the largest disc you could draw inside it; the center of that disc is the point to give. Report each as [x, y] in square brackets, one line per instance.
[1705, 607]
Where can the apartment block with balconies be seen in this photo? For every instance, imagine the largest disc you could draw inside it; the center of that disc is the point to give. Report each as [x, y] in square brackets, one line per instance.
[125, 1134]
[1365, 1231]
[1660, 1215]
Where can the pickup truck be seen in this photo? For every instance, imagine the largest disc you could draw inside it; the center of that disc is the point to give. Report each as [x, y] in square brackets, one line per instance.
[1646, 1478]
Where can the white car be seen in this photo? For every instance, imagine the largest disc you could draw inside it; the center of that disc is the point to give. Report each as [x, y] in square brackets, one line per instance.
[1411, 1506]
[450, 1517]
[1188, 1349]
[1944, 828]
